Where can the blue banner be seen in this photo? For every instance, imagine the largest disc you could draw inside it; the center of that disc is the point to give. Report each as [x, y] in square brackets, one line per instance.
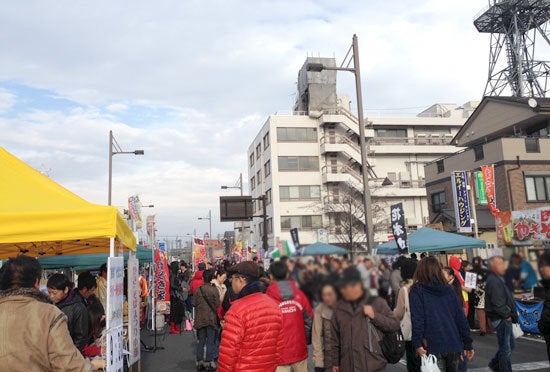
[529, 315]
[459, 180]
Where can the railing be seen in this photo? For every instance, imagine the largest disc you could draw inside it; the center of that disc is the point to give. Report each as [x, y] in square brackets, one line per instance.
[291, 113]
[341, 140]
[428, 139]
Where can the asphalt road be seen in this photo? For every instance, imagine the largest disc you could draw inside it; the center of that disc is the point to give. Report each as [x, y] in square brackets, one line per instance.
[179, 354]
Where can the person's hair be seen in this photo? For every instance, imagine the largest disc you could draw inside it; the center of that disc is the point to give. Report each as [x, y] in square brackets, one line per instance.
[279, 270]
[429, 272]
[491, 261]
[208, 275]
[220, 272]
[329, 284]
[414, 256]
[465, 264]
[102, 269]
[20, 272]
[86, 280]
[59, 281]
[174, 267]
[396, 265]
[477, 262]
[184, 264]
[544, 259]
[423, 254]
[385, 264]
[455, 284]
[408, 267]
[95, 323]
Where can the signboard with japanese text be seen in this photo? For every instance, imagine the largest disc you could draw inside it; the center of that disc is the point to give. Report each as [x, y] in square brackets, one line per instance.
[479, 183]
[524, 228]
[459, 180]
[199, 251]
[398, 227]
[134, 309]
[470, 280]
[162, 284]
[114, 313]
[489, 180]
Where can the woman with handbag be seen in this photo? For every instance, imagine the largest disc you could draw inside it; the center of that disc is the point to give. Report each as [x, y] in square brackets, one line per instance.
[402, 312]
[439, 325]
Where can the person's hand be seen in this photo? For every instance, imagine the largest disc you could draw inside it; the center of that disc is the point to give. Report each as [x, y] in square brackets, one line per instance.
[335, 369]
[421, 351]
[469, 354]
[368, 310]
[184, 289]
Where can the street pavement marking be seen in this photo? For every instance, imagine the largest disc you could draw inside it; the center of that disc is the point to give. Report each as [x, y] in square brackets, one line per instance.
[531, 366]
[533, 339]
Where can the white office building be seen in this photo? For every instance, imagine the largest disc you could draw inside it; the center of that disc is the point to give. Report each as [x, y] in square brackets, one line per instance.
[308, 165]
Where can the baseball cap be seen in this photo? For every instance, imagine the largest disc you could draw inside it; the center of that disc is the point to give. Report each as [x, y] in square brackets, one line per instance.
[246, 268]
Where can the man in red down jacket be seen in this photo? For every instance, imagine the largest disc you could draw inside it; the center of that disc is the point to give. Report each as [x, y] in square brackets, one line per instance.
[252, 337]
[197, 280]
[297, 318]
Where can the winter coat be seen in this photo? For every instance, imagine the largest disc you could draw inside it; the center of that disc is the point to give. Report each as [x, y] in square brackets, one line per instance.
[438, 319]
[77, 319]
[205, 316]
[35, 337]
[350, 343]
[297, 316]
[479, 291]
[197, 281]
[319, 338]
[499, 303]
[252, 337]
[544, 322]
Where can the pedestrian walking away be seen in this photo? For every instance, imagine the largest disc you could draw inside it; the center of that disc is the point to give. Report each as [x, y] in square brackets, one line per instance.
[206, 301]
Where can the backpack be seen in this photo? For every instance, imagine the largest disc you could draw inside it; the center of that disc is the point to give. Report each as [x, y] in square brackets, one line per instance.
[392, 343]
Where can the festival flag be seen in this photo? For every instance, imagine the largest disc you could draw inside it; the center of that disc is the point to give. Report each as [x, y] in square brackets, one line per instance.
[459, 181]
[399, 229]
[162, 283]
[199, 251]
[150, 224]
[489, 180]
[286, 248]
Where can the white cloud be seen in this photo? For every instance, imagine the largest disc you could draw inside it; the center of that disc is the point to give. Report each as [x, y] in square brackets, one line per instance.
[7, 100]
[117, 107]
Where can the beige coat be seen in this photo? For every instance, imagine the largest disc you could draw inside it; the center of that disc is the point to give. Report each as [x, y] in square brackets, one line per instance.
[34, 335]
[319, 337]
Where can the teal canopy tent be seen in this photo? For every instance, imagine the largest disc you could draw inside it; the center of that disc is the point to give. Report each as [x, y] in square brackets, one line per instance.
[89, 261]
[322, 249]
[430, 240]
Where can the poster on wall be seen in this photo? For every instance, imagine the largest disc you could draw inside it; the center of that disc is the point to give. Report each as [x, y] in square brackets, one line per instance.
[459, 180]
[114, 313]
[134, 309]
[162, 282]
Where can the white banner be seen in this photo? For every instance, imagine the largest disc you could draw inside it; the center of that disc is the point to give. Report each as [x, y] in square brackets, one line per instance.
[114, 313]
[134, 301]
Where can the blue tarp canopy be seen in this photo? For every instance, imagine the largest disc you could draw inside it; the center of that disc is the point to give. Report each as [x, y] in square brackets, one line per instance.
[322, 249]
[89, 261]
[430, 240]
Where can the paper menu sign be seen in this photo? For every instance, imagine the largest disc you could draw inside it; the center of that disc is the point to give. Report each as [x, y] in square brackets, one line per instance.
[470, 281]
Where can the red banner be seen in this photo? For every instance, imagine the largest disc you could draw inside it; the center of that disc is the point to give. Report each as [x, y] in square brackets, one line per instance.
[488, 172]
[162, 282]
[199, 251]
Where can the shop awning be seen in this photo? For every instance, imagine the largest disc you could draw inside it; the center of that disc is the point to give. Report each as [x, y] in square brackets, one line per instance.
[39, 217]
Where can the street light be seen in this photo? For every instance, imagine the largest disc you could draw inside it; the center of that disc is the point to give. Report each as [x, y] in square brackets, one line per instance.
[114, 148]
[240, 187]
[209, 218]
[318, 67]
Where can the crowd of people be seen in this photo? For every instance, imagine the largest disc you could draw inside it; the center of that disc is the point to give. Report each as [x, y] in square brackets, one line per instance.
[247, 318]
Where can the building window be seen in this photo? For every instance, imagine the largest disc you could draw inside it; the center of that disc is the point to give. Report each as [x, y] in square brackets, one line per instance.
[259, 177]
[390, 133]
[303, 222]
[267, 168]
[258, 151]
[270, 225]
[297, 134]
[268, 197]
[252, 183]
[537, 188]
[251, 160]
[440, 166]
[293, 193]
[532, 144]
[266, 140]
[478, 153]
[439, 201]
[298, 163]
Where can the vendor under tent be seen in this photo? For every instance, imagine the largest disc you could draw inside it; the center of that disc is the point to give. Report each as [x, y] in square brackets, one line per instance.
[430, 240]
[89, 261]
[320, 249]
[39, 217]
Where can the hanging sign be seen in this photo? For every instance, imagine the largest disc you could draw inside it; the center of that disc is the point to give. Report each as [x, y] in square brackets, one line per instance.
[114, 313]
[398, 227]
[463, 217]
[134, 309]
[489, 180]
[481, 195]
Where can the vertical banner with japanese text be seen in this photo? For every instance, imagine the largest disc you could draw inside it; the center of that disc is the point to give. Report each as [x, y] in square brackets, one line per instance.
[459, 180]
[489, 180]
[479, 182]
[398, 227]
[199, 251]
[134, 309]
[114, 313]
[162, 281]
[134, 209]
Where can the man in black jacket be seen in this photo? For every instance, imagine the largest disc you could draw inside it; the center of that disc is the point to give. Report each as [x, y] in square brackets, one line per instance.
[544, 322]
[501, 310]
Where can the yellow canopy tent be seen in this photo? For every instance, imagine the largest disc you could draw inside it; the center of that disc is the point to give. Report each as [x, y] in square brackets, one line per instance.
[39, 217]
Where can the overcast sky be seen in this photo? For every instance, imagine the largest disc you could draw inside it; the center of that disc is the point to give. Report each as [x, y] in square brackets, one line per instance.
[191, 82]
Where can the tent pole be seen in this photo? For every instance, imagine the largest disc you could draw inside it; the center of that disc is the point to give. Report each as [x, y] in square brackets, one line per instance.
[112, 247]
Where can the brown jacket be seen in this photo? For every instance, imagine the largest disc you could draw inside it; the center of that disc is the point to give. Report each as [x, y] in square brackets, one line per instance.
[322, 318]
[34, 335]
[350, 343]
[205, 316]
